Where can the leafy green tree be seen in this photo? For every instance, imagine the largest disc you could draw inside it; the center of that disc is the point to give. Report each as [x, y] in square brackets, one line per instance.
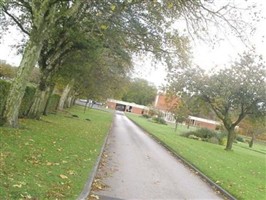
[7, 71]
[253, 126]
[140, 91]
[232, 93]
[137, 26]
[36, 19]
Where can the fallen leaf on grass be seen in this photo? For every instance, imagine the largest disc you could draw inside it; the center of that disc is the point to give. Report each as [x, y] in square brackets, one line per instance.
[63, 176]
[49, 163]
[95, 196]
[17, 185]
[71, 172]
[20, 184]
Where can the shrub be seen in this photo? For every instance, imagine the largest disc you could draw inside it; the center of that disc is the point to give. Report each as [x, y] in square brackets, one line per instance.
[26, 101]
[146, 116]
[240, 139]
[223, 141]
[4, 87]
[194, 137]
[204, 133]
[213, 140]
[159, 120]
[207, 135]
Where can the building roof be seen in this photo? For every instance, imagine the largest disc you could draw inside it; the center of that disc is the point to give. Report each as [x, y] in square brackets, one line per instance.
[128, 104]
[204, 120]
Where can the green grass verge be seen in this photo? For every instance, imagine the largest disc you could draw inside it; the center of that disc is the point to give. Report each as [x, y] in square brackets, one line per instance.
[51, 158]
[242, 172]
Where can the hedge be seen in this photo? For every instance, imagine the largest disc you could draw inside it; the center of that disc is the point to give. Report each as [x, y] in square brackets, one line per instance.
[26, 101]
[4, 87]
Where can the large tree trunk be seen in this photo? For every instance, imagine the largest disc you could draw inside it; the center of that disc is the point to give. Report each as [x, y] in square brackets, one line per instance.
[39, 103]
[41, 96]
[65, 95]
[17, 89]
[230, 138]
[45, 111]
[73, 101]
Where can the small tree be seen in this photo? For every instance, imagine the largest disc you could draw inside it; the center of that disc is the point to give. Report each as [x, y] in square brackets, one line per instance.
[232, 93]
[253, 126]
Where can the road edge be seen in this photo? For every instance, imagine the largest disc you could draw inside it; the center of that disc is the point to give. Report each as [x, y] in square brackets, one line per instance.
[87, 187]
[222, 191]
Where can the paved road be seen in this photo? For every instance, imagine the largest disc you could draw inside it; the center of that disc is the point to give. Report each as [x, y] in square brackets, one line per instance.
[137, 167]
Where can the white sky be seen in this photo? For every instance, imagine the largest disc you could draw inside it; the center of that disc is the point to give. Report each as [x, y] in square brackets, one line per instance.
[208, 57]
[204, 55]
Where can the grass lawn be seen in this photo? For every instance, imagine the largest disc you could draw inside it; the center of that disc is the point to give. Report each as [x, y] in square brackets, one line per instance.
[51, 158]
[242, 172]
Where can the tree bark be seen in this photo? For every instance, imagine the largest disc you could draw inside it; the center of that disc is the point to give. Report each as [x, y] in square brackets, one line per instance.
[230, 139]
[176, 123]
[38, 106]
[18, 86]
[41, 96]
[252, 140]
[45, 111]
[73, 101]
[68, 101]
[65, 95]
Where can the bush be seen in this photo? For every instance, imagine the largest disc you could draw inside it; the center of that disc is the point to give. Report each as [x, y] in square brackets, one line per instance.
[146, 116]
[159, 120]
[213, 140]
[194, 137]
[223, 141]
[240, 139]
[4, 87]
[207, 135]
[26, 101]
[204, 133]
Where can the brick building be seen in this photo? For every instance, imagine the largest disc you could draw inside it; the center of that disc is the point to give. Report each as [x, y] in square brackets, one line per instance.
[165, 104]
[203, 123]
[126, 106]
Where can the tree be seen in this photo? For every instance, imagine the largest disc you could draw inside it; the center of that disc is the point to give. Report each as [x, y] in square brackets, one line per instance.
[232, 93]
[253, 126]
[140, 91]
[137, 26]
[7, 71]
[181, 112]
[35, 19]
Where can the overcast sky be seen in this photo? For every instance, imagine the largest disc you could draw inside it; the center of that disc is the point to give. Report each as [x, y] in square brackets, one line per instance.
[204, 54]
[222, 54]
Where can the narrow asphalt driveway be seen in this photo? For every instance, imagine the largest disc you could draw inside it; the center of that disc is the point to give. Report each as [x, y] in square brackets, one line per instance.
[134, 166]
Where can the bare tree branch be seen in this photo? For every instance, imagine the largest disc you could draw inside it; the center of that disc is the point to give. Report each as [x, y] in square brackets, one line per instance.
[16, 21]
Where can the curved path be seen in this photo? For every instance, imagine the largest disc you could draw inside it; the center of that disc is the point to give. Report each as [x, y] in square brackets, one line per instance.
[137, 167]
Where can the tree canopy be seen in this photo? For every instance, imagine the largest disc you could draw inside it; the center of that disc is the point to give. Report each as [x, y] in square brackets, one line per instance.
[232, 93]
[53, 28]
[140, 92]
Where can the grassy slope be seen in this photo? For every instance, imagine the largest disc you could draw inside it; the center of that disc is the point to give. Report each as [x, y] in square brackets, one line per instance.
[51, 158]
[242, 172]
